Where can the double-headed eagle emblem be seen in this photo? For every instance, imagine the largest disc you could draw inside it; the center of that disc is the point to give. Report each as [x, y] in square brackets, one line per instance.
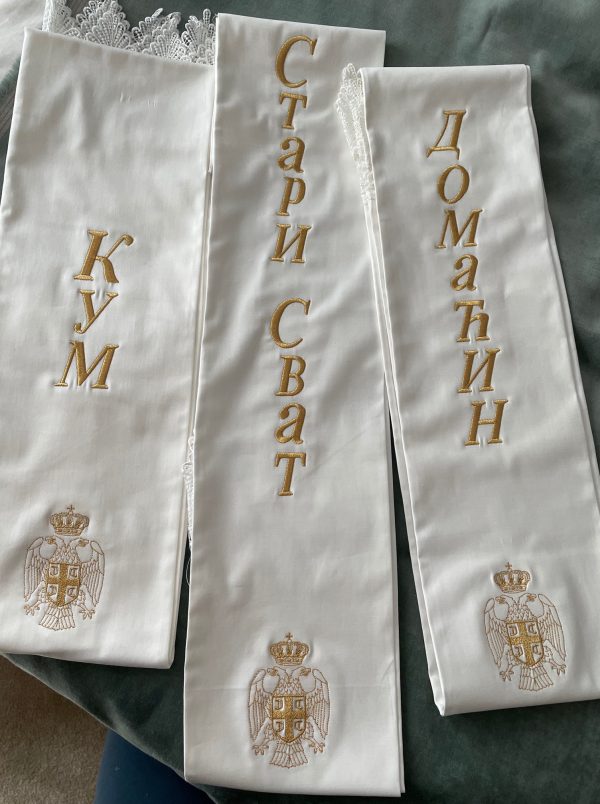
[288, 706]
[524, 631]
[63, 571]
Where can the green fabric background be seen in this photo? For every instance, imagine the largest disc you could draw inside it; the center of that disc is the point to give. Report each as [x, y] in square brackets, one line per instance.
[537, 754]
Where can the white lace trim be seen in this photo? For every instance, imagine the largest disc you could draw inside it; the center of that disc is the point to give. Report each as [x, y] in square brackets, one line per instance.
[104, 22]
[188, 479]
[350, 105]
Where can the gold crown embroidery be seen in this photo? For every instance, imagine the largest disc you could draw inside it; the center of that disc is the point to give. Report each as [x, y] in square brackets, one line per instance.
[288, 706]
[524, 631]
[63, 571]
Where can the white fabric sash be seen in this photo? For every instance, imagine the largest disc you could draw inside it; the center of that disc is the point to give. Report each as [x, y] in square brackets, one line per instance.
[291, 680]
[497, 464]
[102, 222]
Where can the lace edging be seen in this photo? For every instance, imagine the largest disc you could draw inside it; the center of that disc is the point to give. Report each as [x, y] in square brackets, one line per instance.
[104, 22]
[188, 479]
[350, 106]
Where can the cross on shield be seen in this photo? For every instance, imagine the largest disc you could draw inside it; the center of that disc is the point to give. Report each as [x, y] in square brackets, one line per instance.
[289, 716]
[525, 641]
[62, 582]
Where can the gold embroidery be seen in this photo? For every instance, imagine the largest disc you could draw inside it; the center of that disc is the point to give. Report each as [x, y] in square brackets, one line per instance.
[291, 458]
[293, 98]
[92, 256]
[77, 351]
[296, 155]
[300, 237]
[451, 223]
[91, 315]
[458, 115]
[524, 631]
[297, 423]
[287, 374]
[469, 273]
[477, 421]
[287, 197]
[470, 318]
[288, 706]
[470, 376]
[276, 320]
[464, 184]
[294, 189]
[282, 56]
[63, 571]
[465, 280]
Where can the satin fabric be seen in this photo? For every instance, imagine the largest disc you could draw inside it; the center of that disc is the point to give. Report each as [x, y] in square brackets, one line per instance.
[472, 757]
[318, 563]
[101, 139]
[531, 500]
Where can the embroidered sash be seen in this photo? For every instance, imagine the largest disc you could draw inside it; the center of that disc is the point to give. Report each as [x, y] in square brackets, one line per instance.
[100, 253]
[497, 463]
[291, 679]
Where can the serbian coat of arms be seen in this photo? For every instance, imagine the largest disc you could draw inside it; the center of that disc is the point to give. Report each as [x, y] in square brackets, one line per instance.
[524, 632]
[63, 571]
[288, 706]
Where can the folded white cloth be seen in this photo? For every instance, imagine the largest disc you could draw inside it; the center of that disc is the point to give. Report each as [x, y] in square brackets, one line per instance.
[100, 253]
[291, 678]
[497, 464]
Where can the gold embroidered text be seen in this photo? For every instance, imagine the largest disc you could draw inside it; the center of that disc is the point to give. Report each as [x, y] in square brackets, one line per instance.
[290, 242]
[76, 354]
[452, 185]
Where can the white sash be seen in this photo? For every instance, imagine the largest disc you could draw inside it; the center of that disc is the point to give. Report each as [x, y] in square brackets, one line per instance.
[102, 222]
[497, 463]
[291, 679]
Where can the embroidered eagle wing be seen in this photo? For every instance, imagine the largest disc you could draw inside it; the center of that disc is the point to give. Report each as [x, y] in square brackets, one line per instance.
[258, 704]
[35, 566]
[92, 572]
[317, 702]
[550, 626]
[495, 630]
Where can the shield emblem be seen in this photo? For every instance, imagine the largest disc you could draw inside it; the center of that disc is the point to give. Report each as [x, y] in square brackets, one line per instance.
[288, 716]
[525, 641]
[62, 582]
